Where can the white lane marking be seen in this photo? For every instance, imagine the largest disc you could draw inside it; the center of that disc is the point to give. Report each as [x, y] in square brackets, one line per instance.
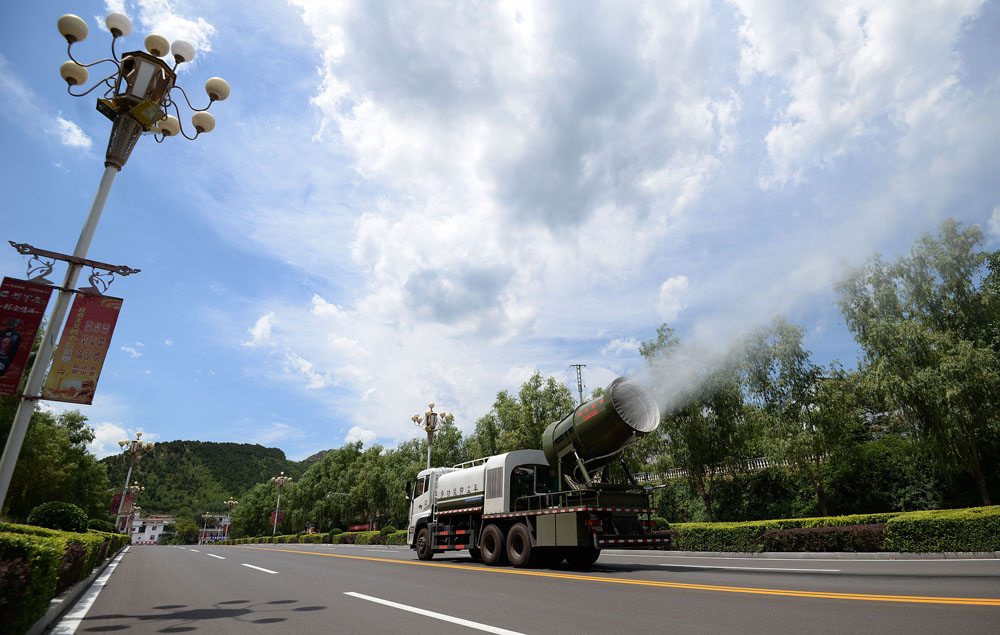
[71, 621]
[212, 555]
[708, 566]
[437, 616]
[376, 550]
[184, 548]
[195, 550]
[258, 568]
[840, 560]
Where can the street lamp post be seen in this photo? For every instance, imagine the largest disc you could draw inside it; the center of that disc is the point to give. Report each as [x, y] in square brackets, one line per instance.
[137, 98]
[280, 481]
[207, 516]
[229, 519]
[131, 517]
[430, 421]
[134, 449]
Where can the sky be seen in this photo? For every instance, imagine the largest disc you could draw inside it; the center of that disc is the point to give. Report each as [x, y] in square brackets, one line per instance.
[414, 202]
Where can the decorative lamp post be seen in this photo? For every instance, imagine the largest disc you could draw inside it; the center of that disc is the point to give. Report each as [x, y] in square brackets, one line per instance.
[206, 517]
[280, 481]
[131, 517]
[133, 449]
[430, 421]
[138, 95]
[229, 520]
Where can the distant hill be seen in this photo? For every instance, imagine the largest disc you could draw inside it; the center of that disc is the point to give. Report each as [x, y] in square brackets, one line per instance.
[314, 458]
[197, 476]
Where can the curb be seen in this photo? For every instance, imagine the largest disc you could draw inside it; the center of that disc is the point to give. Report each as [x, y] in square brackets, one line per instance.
[60, 605]
[799, 555]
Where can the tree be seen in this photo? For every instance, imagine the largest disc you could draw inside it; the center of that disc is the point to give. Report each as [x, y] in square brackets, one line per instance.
[705, 431]
[516, 422]
[929, 325]
[54, 465]
[803, 410]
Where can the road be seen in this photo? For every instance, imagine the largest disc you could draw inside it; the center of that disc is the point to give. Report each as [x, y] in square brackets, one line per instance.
[356, 589]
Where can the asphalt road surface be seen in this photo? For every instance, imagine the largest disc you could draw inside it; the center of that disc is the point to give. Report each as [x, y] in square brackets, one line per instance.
[305, 589]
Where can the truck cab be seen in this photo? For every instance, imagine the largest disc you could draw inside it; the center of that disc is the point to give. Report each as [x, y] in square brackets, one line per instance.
[420, 493]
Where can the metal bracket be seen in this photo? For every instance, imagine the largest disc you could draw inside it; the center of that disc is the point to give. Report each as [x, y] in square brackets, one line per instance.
[28, 250]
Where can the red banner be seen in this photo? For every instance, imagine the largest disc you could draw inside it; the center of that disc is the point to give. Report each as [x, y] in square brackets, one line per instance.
[280, 514]
[83, 346]
[116, 503]
[22, 306]
[359, 527]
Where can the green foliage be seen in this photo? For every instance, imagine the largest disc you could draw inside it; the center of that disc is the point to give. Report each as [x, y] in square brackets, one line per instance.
[397, 538]
[705, 430]
[748, 537]
[516, 422]
[53, 464]
[59, 515]
[102, 525]
[388, 529]
[929, 325]
[200, 475]
[36, 560]
[975, 529]
[854, 538]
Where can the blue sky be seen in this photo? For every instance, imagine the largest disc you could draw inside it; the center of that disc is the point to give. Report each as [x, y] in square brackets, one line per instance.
[412, 202]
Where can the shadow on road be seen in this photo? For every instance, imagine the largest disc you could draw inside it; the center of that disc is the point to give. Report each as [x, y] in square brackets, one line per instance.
[181, 617]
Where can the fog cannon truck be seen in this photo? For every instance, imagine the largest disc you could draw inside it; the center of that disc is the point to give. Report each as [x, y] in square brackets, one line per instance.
[539, 507]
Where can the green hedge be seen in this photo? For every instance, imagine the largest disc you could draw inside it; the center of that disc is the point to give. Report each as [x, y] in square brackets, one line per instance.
[961, 530]
[748, 537]
[37, 563]
[849, 538]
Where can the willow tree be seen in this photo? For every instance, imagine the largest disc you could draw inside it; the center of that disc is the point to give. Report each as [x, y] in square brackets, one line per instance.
[929, 324]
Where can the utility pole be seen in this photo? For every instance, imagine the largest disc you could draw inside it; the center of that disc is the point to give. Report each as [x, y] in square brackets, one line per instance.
[579, 378]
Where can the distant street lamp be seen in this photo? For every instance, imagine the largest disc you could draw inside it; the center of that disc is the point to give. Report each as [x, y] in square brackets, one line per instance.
[137, 98]
[133, 449]
[207, 516]
[131, 517]
[431, 421]
[229, 521]
[280, 481]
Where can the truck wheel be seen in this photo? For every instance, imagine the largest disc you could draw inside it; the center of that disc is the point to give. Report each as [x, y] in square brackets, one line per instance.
[476, 554]
[519, 546]
[424, 544]
[582, 556]
[491, 546]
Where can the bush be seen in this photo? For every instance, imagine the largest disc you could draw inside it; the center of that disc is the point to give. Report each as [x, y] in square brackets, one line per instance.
[365, 538]
[292, 539]
[660, 523]
[973, 529]
[387, 530]
[102, 525]
[398, 538]
[29, 567]
[855, 538]
[336, 531]
[59, 515]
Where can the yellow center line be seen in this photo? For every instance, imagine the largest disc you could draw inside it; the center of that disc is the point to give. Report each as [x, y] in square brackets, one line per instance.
[654, 583]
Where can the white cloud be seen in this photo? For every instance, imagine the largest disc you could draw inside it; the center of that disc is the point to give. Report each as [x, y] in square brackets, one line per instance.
[273, 432]
[133, 350]
[260, 332]
[161, 16]
[671, 300]
[621, 345]
[168, 342]
[847, 68]
[71, 135]
[993, 225]
[357, 433]
[300, 366]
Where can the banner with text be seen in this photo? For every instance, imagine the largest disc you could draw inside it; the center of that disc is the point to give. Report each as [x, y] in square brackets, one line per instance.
[83, 346]
[22, 306]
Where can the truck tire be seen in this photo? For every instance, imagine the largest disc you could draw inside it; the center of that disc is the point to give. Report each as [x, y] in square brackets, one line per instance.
[492, 546]
[476, 554]
[582, 556]
[519, 551]
[423, 544]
